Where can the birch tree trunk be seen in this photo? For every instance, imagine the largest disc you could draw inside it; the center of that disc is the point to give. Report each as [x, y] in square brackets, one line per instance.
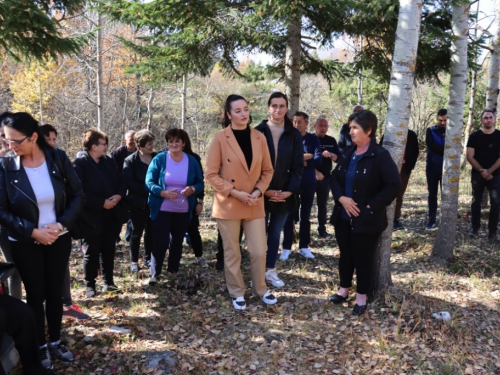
[40, 94]
[150, 109]
[442, 252]
[360, 76]
[292, 63]
[100, 85]
[398, 117]
[493, 76]
[183, 101]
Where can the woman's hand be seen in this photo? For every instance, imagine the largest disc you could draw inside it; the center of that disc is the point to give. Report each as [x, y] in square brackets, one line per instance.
[242, 196]
[170, 194]
[198, 208]
[350, 206]
[277, 195]
[109, 204]
[115, 198]
[187, 191]
[45, 235]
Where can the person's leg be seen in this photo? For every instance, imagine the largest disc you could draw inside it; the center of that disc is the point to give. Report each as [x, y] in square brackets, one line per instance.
[15, 282]
[30, 261]
[229, 231]
[275, 221]
[148, 238]
[363, 246]
[194, 232]
[128, 231]
[322, 193]
[56, 262]
[494, 190]
[288, 231]
[346, 262]
[178, 224]
[306, 203]
[91, 247]
[478, 183]
[107, 250]
[433, 178]
[138, 224]
[405, 177]
[255, 234]
[161, 242]
[220, 249]
[66, 292]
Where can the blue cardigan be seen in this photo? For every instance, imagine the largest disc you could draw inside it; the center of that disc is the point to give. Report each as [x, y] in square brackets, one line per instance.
[155, 182]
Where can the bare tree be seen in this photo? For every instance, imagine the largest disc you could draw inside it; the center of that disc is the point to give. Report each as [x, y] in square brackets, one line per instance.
[292, 63]
[492, 89]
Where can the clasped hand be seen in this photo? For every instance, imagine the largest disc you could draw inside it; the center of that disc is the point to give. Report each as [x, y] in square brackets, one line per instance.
[246, 198]
[277, 195]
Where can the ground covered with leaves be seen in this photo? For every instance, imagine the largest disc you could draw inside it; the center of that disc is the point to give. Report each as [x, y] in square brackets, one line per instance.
[191, 318]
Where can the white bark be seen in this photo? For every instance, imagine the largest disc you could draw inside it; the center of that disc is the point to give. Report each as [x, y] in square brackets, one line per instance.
[445, 241]
[184, 101]
[398, 116]
[292, 63]
[40, 94]
[100, 85]
[493, 76]
[360, 76]
[150, 111]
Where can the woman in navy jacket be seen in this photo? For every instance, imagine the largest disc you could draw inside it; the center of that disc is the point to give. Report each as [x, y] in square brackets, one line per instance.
[366, 181]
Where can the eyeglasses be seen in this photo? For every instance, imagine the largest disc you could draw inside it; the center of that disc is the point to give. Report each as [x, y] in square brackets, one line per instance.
[13, 141]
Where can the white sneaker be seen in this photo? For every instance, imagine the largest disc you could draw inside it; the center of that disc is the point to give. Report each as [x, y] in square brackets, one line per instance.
[153, 280]
[285, 254]
[239, 303]
[306, 253]
[269, 299]
[134, 267]
[272, 277]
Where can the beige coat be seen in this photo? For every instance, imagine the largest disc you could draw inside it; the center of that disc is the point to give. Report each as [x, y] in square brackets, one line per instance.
[226, 169]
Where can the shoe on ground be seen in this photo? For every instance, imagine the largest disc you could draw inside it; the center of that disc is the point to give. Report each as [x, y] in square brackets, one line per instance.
[134, 267]
[153, 280]
[45, 357]
[397, 225]
[473, 233]
[147, 264]
[239, 303]
[285, 254]
[269, 299]
[337, 298]
[493, 238]
[272, 277]
[359, 310]
[61, 351]
[431, 225]
[74, 312]
[219, 266]
[111, 288]
[202, 262]
[306, 253]
[89, 292]
[325, 235]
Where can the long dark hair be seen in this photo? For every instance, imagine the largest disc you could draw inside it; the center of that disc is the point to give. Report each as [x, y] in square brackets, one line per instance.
[227, 108]
[279, 94]
[24, 123]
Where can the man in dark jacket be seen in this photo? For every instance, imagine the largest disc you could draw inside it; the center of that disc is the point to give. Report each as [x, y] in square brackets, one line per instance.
[409, 160]
[434, 140]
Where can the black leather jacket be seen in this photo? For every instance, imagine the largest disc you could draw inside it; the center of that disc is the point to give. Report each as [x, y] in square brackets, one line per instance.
[18, 206]
[376, 184]
[288, 166]
[134, 172]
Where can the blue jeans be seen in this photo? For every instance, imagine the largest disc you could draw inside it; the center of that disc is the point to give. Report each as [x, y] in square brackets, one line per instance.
[322, 194]
[274, 225]
[493, 186]
[434, 174]
[306, 199]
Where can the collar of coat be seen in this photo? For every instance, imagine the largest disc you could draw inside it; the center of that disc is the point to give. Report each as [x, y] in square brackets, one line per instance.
[233, 144]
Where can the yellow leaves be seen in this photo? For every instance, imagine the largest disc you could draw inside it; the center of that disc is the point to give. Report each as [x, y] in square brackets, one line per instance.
[320, 6]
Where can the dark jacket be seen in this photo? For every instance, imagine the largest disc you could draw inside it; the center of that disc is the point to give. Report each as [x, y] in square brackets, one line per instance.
[411, 151]
[288, 166]
[134, 173]
[119, 154]
[344, 138]
[18, 207]
[99, 183]
[376, 184]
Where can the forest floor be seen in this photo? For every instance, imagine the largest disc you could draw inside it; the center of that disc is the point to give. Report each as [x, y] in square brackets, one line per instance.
[192, 318]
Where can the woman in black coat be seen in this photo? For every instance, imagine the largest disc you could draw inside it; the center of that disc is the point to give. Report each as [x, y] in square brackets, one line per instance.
[366, 181]
[40, 198]
[104, 189]
[135, 167]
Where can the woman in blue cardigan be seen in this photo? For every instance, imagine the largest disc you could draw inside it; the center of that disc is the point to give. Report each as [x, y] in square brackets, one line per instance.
[172, 179]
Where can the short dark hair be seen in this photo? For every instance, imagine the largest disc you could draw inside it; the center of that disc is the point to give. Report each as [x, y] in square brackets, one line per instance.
[488, 111]
[442, 112]
[46, 129]
[176, 133]
[304, 115]
[24, 123]
[142, 137]
[91, 137]
[367, 120]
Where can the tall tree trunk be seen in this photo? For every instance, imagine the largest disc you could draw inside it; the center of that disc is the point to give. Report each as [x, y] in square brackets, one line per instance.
[360, 76]
[292, 63]
[100, 85]
[150, 111]
[398, 117]
[183, 101]
[442, 252]
[40, 94]
[492, 88]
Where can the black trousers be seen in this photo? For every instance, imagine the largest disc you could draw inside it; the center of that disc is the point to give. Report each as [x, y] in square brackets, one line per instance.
[193, 231]
[141, 223]
[323, 189]
[357, 252]
[100, 248]
[16, 319]
[478, 186]
[166, 225]
[42, 271]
